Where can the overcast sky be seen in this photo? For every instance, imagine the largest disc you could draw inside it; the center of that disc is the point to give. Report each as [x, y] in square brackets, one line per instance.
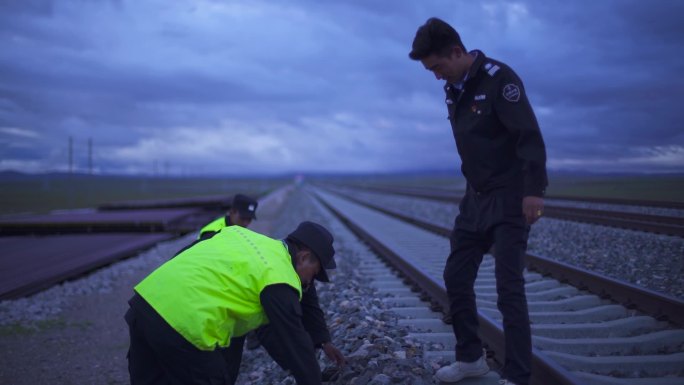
[326, 86]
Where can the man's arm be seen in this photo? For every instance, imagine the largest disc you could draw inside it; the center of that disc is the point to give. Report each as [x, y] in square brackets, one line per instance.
[515, 113]
[281, 304]
[314, 323]
[313, 318]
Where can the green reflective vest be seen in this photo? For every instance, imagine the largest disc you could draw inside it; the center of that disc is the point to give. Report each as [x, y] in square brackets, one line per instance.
[210, 292]
[215, 226]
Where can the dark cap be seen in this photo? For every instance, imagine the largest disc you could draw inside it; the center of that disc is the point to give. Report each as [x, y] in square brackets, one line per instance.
[320, 241]
[245, 205]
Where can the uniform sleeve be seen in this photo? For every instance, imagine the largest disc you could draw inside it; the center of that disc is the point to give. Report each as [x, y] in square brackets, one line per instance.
[313, 317]
[514, 110]
[281, 304]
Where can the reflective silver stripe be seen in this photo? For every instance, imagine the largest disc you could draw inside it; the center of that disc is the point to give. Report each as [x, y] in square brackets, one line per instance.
[493, 70]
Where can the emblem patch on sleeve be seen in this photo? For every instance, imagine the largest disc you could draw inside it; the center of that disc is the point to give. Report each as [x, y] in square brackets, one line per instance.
[511, 92]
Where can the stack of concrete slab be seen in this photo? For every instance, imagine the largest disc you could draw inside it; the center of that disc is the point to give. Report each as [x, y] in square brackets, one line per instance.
[41, 250]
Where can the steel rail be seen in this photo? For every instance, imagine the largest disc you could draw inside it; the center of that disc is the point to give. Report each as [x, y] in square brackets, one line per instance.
[623, 201]
[640, 222]
[613, 201]
[544, 371]
[660, 306]
[658, 224]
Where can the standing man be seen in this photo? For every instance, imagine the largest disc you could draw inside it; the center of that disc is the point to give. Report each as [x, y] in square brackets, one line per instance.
[504, 163]
[222, 287]
[242, 212]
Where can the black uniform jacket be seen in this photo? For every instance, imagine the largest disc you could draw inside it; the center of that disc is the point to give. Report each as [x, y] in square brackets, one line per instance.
[312, 315]
[289, 337]
[297, 327]
[496, 132]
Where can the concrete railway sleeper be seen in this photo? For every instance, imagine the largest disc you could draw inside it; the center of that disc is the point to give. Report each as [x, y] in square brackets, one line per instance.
[578, 338]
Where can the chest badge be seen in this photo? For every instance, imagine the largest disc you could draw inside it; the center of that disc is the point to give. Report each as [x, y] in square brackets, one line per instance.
[480, 97]
[511, 92]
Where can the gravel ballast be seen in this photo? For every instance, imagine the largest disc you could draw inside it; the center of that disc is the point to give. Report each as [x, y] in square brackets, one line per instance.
[74, 333]
[649, 260]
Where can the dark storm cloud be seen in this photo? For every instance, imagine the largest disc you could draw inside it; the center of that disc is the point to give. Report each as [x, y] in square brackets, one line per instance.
[326, 86]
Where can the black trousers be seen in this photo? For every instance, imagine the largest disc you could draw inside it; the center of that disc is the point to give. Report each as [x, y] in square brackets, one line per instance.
[233, 353]
[159, 355]
[233, 357]
[486, 220]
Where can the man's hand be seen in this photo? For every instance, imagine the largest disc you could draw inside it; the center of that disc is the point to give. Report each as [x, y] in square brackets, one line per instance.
[334, 354]
[533, 208]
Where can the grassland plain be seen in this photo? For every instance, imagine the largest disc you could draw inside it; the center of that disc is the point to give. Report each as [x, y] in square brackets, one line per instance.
[40, 194]
[663, 188]
[87, 341]
[648, 187]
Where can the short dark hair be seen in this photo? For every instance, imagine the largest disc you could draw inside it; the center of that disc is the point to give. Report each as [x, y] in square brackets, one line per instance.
[435, 37]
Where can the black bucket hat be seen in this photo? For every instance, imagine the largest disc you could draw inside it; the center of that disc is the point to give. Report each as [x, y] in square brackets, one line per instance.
[320, 241]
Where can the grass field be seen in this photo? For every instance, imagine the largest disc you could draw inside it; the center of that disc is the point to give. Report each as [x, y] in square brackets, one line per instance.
[41, 194]
[661, 188]
[45, 193]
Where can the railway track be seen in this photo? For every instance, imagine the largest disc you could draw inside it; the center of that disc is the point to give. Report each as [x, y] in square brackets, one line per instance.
[659, 224]
[617, 336]
[621, 335]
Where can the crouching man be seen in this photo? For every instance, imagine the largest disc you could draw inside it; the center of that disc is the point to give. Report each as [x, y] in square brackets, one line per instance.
[220, 288]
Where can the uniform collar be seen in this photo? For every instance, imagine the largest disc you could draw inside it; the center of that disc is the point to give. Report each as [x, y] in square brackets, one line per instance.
[477, 63]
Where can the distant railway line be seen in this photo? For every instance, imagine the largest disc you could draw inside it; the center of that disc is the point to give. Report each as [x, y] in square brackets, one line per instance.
[659, 224]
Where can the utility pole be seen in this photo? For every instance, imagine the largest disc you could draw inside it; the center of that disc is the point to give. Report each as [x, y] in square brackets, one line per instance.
[71, 154]
[90, 156]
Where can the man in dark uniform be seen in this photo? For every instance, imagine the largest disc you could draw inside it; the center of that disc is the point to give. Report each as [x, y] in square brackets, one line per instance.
[504, 163]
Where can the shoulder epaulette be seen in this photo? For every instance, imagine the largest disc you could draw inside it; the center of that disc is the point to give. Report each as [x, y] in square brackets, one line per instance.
[491, 68]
